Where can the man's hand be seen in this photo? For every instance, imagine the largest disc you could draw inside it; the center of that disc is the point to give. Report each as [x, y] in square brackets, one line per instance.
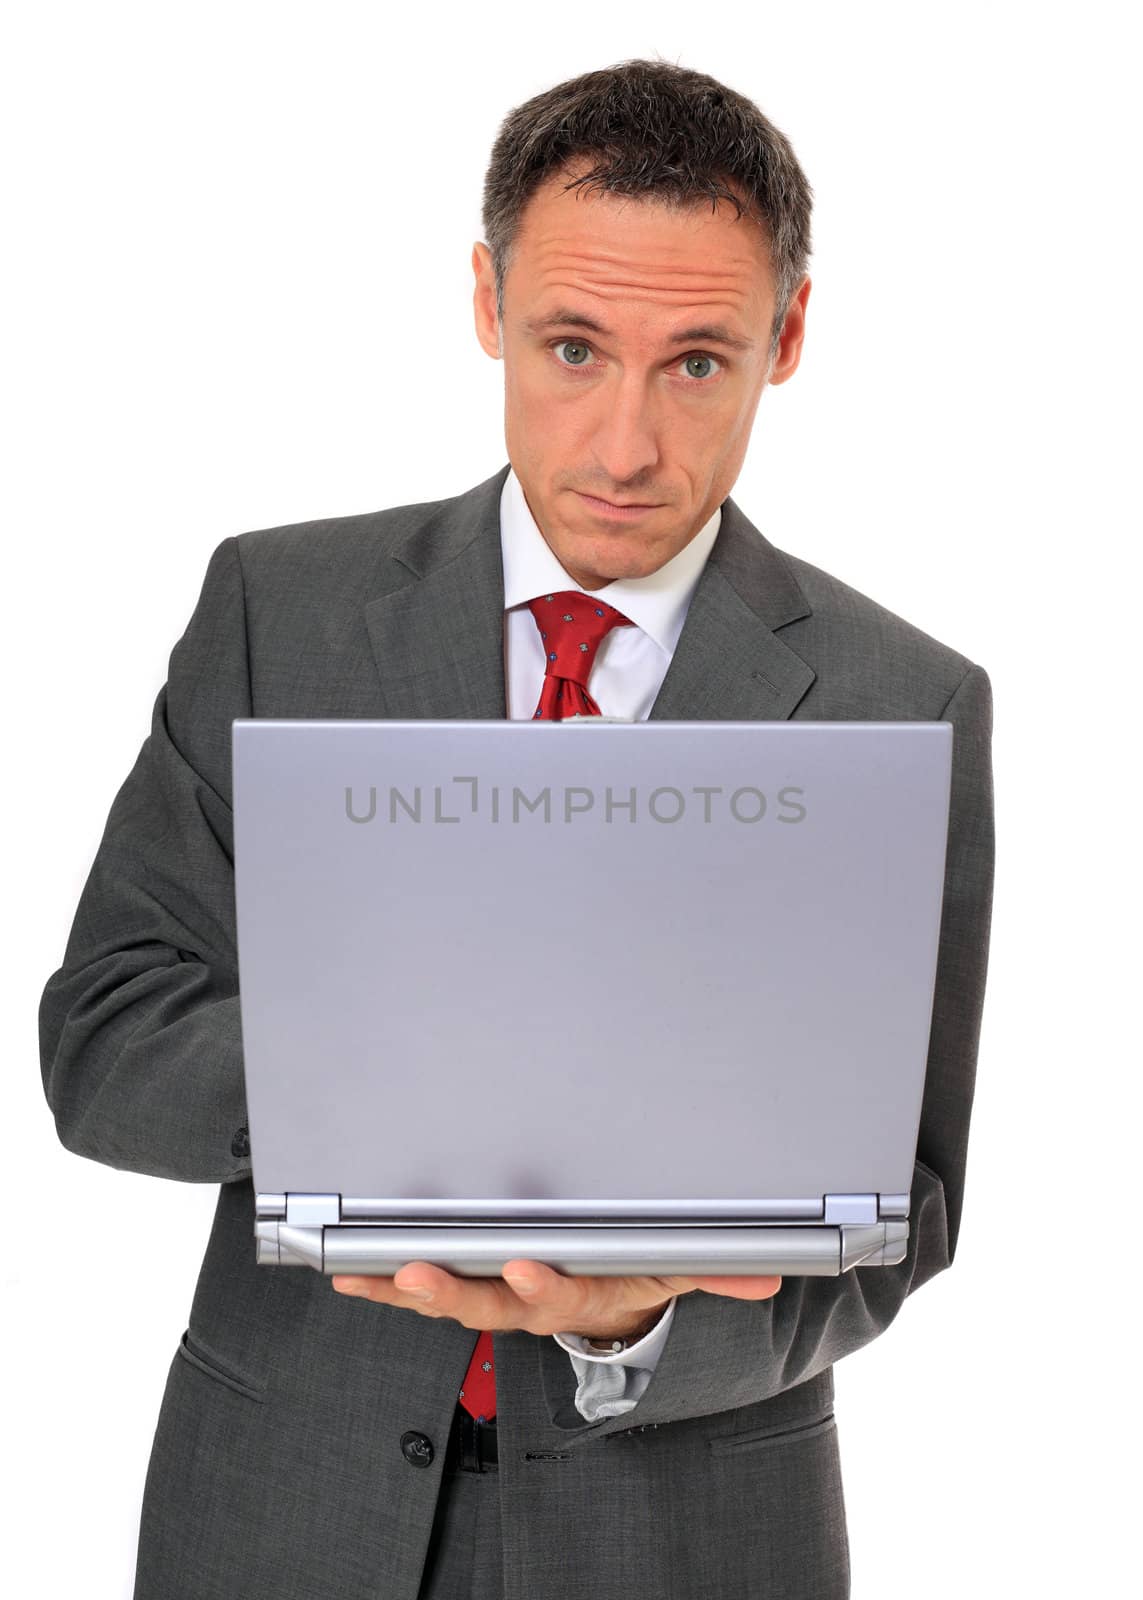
[532, 1298]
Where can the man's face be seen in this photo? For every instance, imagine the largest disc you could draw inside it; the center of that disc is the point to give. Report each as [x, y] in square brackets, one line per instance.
[636, 345]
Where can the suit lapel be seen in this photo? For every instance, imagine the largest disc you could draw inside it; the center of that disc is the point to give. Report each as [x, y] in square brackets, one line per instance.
[729, 664]
[438, 634]
[438, 638]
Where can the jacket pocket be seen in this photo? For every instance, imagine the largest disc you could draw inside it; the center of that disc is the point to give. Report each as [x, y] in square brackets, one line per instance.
[725, 1444]
[201, 1357]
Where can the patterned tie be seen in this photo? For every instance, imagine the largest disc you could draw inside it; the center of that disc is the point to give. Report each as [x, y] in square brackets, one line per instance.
[572, 627]
[478, 1395]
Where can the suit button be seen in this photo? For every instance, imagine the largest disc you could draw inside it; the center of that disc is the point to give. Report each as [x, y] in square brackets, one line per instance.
[240, 1144]
[416, 1449]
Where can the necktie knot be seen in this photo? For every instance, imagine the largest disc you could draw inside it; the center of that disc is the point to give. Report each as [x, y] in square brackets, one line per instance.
[572, 628]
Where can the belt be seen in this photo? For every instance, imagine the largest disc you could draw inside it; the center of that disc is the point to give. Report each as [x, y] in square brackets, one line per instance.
[471, 1444]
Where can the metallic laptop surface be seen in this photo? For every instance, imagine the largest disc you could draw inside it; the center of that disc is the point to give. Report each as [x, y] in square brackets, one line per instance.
[622, 997]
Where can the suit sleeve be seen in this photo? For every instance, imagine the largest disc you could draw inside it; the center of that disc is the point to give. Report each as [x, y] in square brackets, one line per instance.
[140, 1039]
[724, 1353]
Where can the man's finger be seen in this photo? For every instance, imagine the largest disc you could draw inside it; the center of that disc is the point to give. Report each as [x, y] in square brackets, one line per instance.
[739, 1288]
[419, 1280]
[419, 1286]
[380, 1290]
[560, 1297]
[473, 1302]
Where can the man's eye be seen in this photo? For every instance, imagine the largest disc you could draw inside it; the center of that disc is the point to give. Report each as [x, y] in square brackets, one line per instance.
[709, 363]
[699, 367]
[579, 352]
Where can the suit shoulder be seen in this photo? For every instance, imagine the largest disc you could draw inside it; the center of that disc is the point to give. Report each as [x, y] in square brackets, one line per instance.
[905, 663]
[344, 541]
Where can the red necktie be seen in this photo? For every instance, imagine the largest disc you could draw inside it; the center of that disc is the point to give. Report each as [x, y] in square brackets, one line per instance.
[572, 627]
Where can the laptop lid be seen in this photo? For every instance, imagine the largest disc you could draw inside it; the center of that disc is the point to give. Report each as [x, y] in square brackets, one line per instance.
[661, 970]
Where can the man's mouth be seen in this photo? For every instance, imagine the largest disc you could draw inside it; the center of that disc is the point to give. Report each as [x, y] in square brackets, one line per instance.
[622, 511]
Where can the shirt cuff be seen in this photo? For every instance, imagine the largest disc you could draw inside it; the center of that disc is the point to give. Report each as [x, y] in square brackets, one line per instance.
[645, 1352]
[610, 1386]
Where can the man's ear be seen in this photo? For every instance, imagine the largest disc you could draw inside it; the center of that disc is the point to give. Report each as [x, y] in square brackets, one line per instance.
[484, 302]
[789, 351]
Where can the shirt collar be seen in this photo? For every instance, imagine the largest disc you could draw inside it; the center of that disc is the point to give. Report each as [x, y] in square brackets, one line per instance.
[657, 603]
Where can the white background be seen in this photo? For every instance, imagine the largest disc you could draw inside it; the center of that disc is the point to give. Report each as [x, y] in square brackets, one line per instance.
[238, 294]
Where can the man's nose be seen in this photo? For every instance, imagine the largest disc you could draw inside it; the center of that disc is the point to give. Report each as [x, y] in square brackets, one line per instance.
[626, 435]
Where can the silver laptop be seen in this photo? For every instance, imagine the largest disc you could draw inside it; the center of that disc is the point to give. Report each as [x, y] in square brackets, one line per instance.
[620, 997]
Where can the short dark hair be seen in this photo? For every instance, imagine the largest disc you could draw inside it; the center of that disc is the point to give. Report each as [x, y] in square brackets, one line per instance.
[653, 130]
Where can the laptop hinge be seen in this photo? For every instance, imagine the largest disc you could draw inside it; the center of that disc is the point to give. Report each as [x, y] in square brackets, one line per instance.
[312, 1210]
[894, 1205]
[850, 1208]
[270, 1207]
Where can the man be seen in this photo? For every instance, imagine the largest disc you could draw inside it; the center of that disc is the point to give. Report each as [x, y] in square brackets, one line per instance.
[644, 278]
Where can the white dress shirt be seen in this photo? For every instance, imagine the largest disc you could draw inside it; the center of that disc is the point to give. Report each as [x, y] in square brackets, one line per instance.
[625, 679]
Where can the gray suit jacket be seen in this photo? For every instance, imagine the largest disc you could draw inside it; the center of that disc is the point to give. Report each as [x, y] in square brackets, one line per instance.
[277, 1469]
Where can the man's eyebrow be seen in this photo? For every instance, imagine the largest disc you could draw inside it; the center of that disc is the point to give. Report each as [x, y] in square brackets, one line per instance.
[706, 332]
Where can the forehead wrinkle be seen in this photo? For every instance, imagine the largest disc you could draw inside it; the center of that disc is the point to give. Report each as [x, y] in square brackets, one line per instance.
[686, 286]
[609, 264]
[649, 313]
[700, 299]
